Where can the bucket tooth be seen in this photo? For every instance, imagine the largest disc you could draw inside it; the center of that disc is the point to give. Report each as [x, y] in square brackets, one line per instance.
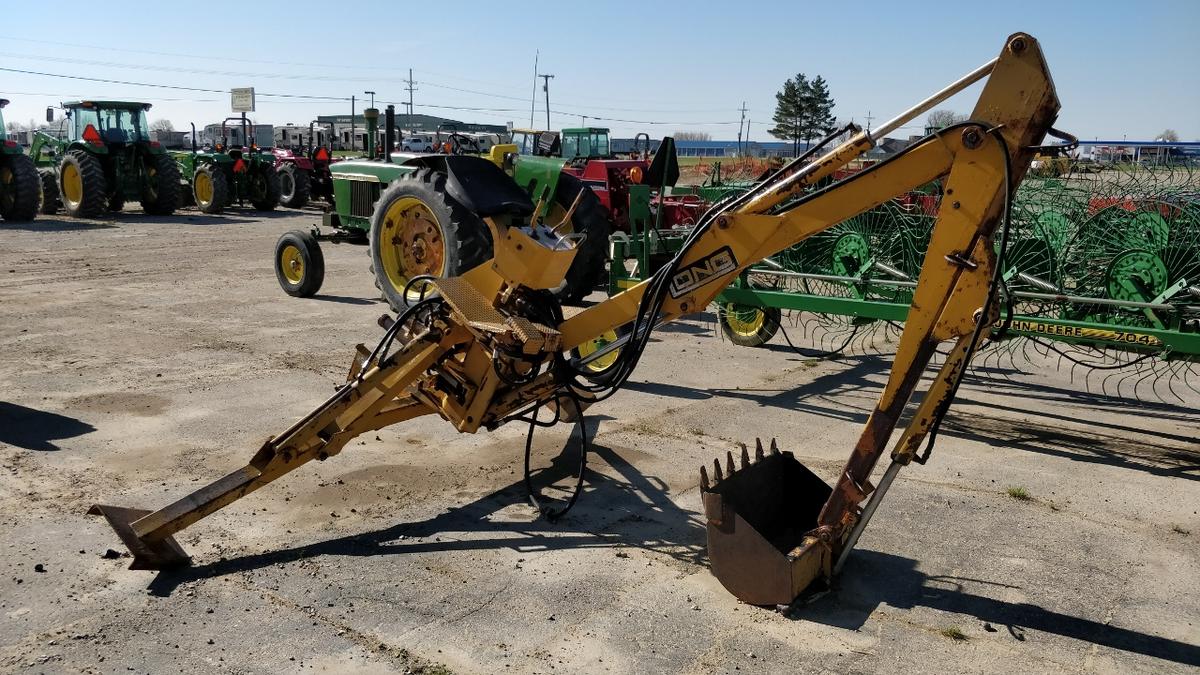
[758, 450]
[162, 554]
[703, 478]
[717, 470]
[757, 521]
[745, 456]
[729, 467]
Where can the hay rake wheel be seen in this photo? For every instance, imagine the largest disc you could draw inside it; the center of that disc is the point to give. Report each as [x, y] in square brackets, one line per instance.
[1129, 237]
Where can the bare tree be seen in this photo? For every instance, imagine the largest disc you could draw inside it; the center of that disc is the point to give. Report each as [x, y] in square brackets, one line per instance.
[162, 125]
[693, 136]
[14, 127]
[940, 119]
[1169, 135]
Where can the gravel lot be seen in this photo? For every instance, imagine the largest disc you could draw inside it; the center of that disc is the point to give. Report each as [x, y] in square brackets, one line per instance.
[143, 357]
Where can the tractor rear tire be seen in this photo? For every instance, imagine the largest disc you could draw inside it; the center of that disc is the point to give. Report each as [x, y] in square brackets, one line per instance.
[587, 269]
[749, 326]
[115, 203]
[418, 229]
[210, 189]
[50, 199]
[20, 194]
[264, 189]
[160, 191]
[82, 185]
[299, 264]
[294, 186]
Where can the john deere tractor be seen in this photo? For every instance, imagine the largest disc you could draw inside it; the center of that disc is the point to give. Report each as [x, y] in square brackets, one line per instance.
[20, 191]
[235, 170]
[419, 214]
[106, 157]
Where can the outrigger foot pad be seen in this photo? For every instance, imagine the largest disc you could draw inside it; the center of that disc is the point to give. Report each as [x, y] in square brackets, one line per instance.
[147, 555]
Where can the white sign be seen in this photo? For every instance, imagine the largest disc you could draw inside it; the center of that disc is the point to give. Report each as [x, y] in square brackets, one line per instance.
[242, 100]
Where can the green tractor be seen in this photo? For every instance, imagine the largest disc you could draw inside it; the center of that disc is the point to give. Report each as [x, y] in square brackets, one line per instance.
[420, 215]
[104, 158]
[231, 172]
[20, 192]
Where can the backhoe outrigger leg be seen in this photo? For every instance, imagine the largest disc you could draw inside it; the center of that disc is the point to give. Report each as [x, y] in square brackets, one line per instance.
[372, 402]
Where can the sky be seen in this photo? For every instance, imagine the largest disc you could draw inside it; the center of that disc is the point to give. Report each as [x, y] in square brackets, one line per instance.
[1122, 69]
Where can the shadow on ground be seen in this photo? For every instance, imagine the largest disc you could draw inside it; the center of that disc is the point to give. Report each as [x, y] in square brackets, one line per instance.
[44, 224]
[347, 300]
[872, 578]
[630, 510]
[34, 429]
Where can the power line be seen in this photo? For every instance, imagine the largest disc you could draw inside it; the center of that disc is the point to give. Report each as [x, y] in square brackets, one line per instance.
[310, 97]
[103, 48]
[197, 71]
[165, 86]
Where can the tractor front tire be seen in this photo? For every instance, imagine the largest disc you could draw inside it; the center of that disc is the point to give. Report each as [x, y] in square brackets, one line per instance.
[82, 185]
[50, 200]
[20, 193]
[210, 189]
[160, 188]
[587, 269]
[601, 371]
[294, 186]
[299, 264]
[418, 229]
[264, 189]
[749, 326]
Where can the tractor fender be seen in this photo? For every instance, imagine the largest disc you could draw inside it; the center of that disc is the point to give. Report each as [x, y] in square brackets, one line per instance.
[538, 176]
[88, 148]
[477, 184]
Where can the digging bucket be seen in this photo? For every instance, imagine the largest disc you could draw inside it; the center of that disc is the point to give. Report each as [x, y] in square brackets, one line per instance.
[760, 513]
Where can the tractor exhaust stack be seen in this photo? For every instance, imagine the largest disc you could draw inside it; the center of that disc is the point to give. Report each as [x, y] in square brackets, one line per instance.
[389, 132]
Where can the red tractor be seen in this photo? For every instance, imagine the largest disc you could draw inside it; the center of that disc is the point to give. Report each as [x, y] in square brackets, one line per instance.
[303, 168]
[295, 177]
[586, 154]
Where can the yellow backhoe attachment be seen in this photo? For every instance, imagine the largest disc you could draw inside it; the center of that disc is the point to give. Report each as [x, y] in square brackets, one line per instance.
[492, 346]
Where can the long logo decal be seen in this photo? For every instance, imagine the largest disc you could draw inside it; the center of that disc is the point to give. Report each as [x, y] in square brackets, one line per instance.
[1119, 336]
[704, 270]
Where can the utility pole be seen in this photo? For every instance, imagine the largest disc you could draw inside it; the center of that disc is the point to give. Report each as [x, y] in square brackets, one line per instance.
[372, 97]
[869, 118]
[533, 95]
[546, 88]
[411, 89]
[743, 120]
[353, 133]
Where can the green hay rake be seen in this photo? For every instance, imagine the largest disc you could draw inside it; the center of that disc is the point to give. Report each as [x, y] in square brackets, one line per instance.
[1101, 269]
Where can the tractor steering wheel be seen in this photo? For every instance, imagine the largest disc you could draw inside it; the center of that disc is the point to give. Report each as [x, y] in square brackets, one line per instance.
[461, 145]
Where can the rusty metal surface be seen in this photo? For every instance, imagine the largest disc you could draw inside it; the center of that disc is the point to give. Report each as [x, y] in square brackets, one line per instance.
[759, 512]
[147, 555]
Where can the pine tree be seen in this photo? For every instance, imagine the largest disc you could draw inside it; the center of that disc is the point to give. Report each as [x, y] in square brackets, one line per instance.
[789, 111]
[819, 119]
[803, 111]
